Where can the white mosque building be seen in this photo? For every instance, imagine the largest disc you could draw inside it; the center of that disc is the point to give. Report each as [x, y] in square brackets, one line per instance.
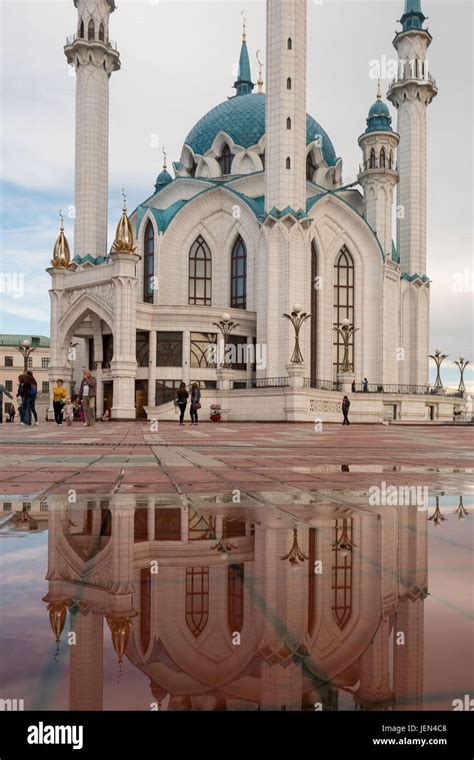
[256, 219]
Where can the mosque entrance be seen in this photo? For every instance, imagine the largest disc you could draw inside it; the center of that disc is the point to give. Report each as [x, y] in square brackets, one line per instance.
[141, 398]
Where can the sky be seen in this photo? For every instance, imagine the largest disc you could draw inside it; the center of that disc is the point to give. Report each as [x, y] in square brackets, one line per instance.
[178, 61]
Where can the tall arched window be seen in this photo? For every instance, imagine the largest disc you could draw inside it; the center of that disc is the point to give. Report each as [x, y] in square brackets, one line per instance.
[101, 33]
[81, 30]
[372, 159]
[200, 274]
[238, 290]
[382, 158]
[390, 160]
[343, 304]
[314, 313]
[197, 599]
[288, 83]
[341, 575]
[225, 161]
[310, 167]
[288, 163]
[235, 597]
[288, 123]
[91, 31]
[148, 263]
[290, 43]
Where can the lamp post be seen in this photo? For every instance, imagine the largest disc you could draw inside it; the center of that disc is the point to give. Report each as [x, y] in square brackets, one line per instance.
[344, 543]
[226, 326]
[295, 554]
[437, 515]
[26, 352]
[345, 332]
[461, 364]
[438, 359]
[297, 318]
[224, 545]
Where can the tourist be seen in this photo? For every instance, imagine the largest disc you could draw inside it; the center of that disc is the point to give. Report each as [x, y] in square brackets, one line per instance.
[24, 392]
[195, 403]
[365, 385]
[69, 411]
[33, 395]
[353, 386]
[11, 411]
[87, 393]
[346, 404]
[182, 401]
[3, 390]
[59, 397]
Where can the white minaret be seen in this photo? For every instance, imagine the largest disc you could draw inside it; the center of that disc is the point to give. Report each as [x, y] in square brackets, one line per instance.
[411, 93]
[94, 57]
[378, 174]
[286, 105]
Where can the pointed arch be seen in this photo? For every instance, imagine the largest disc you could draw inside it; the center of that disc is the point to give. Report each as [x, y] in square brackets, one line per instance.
[148, 262]
[91, 30]
[200, 273]
[373, 161]
[101, 33]
[314, 313]
[288, 123]
[81, 29]
[290, 44]
[343, 304]
[382, 158]
[341, 575]
[238, 286]
[197, 599]
[288, 163]
[310, 166]
[225, 160]
[289, 83]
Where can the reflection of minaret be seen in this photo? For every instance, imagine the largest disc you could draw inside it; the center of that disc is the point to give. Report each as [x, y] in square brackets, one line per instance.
[86, 662]
[374, 692]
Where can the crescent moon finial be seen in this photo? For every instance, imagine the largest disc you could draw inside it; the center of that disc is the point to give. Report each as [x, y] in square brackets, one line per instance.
[244, 24]
[124, 196]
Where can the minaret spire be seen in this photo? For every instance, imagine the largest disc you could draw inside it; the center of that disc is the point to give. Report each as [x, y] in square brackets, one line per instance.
[413, 16]
[244, 84]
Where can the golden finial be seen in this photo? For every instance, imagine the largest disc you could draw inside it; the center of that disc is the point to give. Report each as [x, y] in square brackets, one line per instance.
[165, 166]
[123, 242]
[61, 254]
[260, 74]
[379, 90]
[244, 25]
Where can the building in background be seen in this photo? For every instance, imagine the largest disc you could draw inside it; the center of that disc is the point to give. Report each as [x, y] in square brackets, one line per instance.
[12, 363]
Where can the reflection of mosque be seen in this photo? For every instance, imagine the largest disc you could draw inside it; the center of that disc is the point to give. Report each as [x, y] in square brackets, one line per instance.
[210, 601]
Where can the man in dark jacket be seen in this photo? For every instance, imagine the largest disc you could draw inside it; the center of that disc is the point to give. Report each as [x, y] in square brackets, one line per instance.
[346, 404]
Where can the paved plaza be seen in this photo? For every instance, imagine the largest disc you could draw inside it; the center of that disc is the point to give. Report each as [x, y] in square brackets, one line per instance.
[126, 458]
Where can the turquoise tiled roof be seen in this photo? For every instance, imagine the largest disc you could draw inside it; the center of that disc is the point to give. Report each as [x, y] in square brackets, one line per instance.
[379, 119]
[243, 119]
[95, 260]
[244, 84]
[416, 276]
[162, 180]
[395, 256]
[413, 16]
[163, 218]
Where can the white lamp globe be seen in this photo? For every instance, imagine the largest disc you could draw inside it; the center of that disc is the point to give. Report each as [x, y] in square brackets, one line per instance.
[226, 316]
[297, 308]
[346, 322]
[26, 343]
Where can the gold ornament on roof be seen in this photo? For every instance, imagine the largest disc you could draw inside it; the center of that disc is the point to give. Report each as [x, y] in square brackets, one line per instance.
[123, 242]
[379, 90]
[61, 253]
[244, 25]
[260, 73]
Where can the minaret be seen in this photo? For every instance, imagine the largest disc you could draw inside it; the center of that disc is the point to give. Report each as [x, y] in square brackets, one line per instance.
[411, 93]
[244, 84]
[286, 105]
[94, 57]
[378, 174]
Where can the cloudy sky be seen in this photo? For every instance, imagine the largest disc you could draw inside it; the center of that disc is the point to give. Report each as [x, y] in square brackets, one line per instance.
[178, 61]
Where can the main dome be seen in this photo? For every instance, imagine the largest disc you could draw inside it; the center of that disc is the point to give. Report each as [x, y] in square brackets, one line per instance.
[243, 119]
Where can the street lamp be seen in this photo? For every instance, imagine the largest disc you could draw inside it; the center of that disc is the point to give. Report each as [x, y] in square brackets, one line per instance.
[438, 359]
[226, 326]
[461, 511]
[224, 546]
[297, 318]
[25, 351]
[295, 554]
[462, 364]
[344, 543]
[437, 515]
[345, 332]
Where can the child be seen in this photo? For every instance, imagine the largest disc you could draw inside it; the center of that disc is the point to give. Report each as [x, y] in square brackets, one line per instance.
[69, 411]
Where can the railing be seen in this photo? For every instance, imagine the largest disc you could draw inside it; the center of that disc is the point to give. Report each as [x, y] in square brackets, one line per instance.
[73, 37]
[410, 390]
[322, 385]
[272, 382]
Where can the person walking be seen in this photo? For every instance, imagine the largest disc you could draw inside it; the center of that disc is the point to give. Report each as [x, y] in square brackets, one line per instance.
[182, 401]
[23, 393]
[195, 403]
[11, 412]
[87, 393]
[3, 390]
[365, 385]
[69, 411]
[353, 386]
[59, 397]
[33, 395]
[346, 405]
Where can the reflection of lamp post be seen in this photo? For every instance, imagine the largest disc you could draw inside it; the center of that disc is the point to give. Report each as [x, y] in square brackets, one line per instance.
[344, 544]
[25, 351]
[226, 326]
[120, 630]
[437, 517]
[438, 359]
[224, 545]
[57, 618]
[345, 332]
[295, 554]
[461, 511]
[297, 318]
[462, 364]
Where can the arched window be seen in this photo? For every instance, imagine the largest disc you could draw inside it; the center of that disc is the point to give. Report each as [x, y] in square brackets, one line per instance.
[341, 575]
[200, 274]
[238, 291]
[262, 159]
[197, 599]
[372, 159]
[314, 313]
[390, 160]
[101, 33]
[193, 169]
[288, 83]
[288, 163]
[91, 31]
[148, 263]
[81, 30]
[145, 607]
[416, 68]
[235, 597]
[343, 304]
[225, 161]
[382, 158]
[290, 43]
[288, 123]
[310, 167]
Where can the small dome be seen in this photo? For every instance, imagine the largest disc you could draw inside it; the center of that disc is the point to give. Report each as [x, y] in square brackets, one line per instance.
[162, 180]
[379, 119]
[379, 109]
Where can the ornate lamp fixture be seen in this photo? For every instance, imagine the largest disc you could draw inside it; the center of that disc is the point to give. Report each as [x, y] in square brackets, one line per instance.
[225, 325]
[344, 543]
[61, 254]
[297, 318]
[438, 358]
[57, 619]
[461, 511]
[123, 242]
[224, 546]
[461, 364]
[345, 332]
[437, 517]
[120, 630]
[26, 352]
[295, 554]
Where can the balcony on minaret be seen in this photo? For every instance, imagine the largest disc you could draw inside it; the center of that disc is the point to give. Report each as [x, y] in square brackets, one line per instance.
[107, 43]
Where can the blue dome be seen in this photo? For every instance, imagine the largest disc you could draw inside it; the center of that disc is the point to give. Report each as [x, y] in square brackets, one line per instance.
[243, 119]
[163, 179]
[379, 109]
[379, 119]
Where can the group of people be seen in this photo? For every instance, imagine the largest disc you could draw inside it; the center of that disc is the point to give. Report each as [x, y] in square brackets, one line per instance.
[64, 406]
[27, 393]
[365, 385]
[181, 402]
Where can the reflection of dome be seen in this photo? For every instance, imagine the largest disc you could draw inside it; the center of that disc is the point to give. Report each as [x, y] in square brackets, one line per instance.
[243, 119]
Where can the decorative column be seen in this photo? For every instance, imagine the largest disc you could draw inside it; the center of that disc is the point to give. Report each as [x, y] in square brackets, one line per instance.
[152, 369]
[99, 409]
[374, 692]
[122, 540]
[86, 663]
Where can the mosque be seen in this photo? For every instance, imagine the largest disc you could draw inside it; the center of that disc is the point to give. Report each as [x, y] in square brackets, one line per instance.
[255, 224]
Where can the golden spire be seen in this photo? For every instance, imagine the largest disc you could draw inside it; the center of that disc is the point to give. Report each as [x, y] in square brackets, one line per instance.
[379, 90]
[260, 74]
[244, 25]
[123, 242]
[61, 254]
